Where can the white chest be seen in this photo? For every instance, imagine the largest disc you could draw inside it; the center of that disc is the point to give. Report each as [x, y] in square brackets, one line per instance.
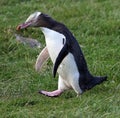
[54, 42]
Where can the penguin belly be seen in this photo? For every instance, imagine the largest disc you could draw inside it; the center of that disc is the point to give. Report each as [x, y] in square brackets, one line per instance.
[69, 73]
[68, 69]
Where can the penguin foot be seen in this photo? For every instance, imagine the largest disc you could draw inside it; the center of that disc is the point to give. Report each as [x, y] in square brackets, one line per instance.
[51, 94]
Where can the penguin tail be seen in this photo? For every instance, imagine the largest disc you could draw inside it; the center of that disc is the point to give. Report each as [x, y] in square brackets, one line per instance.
[95, 81]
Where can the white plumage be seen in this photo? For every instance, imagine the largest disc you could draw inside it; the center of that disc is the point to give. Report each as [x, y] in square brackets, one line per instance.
[68, 72]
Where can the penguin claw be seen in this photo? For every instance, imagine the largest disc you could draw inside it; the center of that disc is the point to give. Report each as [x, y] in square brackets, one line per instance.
[55, 93]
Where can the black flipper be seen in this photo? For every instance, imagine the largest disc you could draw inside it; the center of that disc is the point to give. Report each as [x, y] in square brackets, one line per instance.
[64, 51]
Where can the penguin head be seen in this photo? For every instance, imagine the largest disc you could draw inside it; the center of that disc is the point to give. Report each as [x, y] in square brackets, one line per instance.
[36, 19]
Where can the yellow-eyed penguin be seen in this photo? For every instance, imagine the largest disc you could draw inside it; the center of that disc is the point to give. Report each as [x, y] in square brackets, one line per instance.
[65, 54]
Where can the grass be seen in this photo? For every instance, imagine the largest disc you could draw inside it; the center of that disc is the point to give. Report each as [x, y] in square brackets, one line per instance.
[95, 24]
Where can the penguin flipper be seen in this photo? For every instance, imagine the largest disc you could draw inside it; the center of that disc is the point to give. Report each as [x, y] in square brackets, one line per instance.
[42, 58]
[64, 51]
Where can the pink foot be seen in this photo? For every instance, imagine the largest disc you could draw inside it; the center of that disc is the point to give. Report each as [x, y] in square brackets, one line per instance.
[51, 94]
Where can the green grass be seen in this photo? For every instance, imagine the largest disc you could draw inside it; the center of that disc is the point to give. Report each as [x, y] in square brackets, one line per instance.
[95, 24]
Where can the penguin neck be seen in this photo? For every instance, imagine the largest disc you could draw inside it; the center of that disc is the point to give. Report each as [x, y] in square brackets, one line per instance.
[51, 34]
[46, 31]
[52, 26]
[47, 22]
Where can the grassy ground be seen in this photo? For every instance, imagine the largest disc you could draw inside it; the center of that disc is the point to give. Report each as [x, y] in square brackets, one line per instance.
[95, 24]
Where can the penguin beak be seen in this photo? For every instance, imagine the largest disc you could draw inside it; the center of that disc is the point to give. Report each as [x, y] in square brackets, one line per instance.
[23, 25]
